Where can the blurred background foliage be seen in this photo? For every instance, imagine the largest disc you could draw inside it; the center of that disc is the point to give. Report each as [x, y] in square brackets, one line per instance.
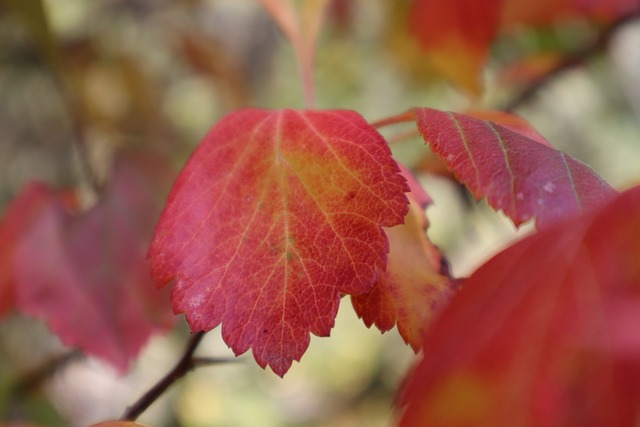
[80, 80]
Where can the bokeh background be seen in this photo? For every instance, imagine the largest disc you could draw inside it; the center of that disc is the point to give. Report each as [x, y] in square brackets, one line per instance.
[81, 80]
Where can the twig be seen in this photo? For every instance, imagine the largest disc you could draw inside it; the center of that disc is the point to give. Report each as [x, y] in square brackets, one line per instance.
[407, 116]
[186, 364]
[571, 61]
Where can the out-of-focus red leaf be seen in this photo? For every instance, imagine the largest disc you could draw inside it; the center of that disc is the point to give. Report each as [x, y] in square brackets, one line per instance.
[17, 218]
[87, 275]
[276, 215]
[544, 334]
[413, 288]
[456, 36]
[517, 174]
[538, 13]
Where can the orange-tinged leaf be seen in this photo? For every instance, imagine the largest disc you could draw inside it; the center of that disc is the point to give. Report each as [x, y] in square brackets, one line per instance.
[413, 289]
[277, 214]
[87, 275]
[544, 334]
[456, 36]
[517, 174]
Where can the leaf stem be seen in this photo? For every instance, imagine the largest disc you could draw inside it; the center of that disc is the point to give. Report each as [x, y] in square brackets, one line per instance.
[402, 136]
[186, 364]
[407, 116]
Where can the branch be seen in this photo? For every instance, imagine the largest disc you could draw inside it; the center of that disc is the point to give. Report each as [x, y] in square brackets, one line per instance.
[186, 364]
[571, 61]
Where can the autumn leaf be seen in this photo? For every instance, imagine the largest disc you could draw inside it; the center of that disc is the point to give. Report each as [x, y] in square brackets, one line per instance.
[416, 285]
[516, 173]
[16, 219]
[456, 36]
[544, 334]
[277, 214]
[509, 121]
[86, 274]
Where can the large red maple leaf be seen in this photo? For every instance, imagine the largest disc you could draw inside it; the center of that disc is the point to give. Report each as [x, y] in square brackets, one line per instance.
[274, 217]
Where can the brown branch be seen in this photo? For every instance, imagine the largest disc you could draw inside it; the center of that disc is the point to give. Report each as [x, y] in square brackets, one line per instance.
[186, 364]
[577, 58]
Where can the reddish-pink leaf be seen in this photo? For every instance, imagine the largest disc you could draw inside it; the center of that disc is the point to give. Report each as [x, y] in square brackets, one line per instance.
[544, 334]
[413, 288]
[17, 218]
[276, 215]
[517, 174]
[87, 276]
[509, 121]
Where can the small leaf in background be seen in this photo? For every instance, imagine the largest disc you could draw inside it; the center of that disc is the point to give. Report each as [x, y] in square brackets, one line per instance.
[517, 174]
[16, 219]
[544, 334]
[456, 36]
[87, 275]
[413, 288]
[277, 214]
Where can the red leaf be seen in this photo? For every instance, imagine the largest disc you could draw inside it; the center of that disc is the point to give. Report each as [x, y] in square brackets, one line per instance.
[516, 174]
[87, 274]
[413, 289]
[456, 36]
[544, 334]
[509, 121]
[17, 218]
[276, 215]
